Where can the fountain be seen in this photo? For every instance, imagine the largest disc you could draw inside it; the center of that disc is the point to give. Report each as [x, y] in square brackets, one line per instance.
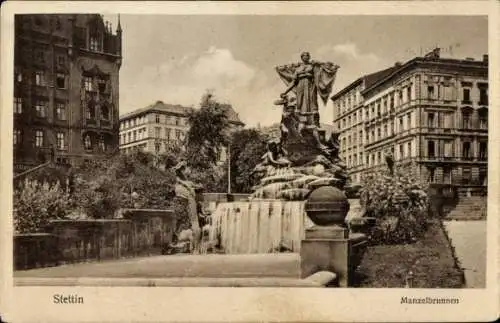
[297, 163]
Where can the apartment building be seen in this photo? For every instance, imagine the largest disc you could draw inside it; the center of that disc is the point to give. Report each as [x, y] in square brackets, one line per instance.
[160, 125]
[66, 70]
[430, 110]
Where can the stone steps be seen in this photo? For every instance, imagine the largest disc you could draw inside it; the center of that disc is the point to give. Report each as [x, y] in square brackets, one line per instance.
[469, 208]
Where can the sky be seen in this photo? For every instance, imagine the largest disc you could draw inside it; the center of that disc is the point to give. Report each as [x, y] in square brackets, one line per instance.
[176, 59]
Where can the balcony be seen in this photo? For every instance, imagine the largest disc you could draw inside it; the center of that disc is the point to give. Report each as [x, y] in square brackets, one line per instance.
[433, 158]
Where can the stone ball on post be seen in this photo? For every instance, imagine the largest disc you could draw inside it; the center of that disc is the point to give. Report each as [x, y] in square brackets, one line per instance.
[327, 206]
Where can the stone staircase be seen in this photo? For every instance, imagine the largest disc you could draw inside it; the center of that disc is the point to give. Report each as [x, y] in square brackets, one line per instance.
[469, 208]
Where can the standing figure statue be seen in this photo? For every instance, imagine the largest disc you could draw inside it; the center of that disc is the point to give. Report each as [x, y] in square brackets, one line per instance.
[186, 190]
[309, 79]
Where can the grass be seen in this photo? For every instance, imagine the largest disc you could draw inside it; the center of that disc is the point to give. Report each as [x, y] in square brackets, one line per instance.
[431, 259]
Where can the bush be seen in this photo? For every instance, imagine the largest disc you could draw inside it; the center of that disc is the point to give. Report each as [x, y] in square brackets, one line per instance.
[35, 204]
[125, 181]
[399, 202]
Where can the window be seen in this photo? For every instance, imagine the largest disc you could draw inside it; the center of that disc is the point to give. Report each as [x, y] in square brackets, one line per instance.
[102, 86]
[90, 112]
[61, 111]
[18, 77]
[379, 158]
[401, 152]
[466, 175]
[41, 108]
[157, 118]
[431, 153]
[129, 137]
[430, 92]
[60, 141]
[367, 137]
[60, 60]
[355, 160]
[102, 144]
[105, 112]
[447, 175]
[466, 96]
[61, 81]
[409, 149]
[17, 137]
[430, 120]
[483, 150]
[379, 133]
[95, 43]
[88, 83]
[385, 130]
[38, 138]
[178, 134]
[360, 137]
[483, 119]
[409, 120]
[401, 124]
[483, 96]
[391, 106]
[18, 105]
[431, 175]
[40, 78]
[466, 153]
[157, 147]
[408, 93]
[373, 136]
[392, 127]
[466, 120]
[157, 132]
[88, 142]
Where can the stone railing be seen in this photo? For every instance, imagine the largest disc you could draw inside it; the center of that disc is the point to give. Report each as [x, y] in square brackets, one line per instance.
[140, 232]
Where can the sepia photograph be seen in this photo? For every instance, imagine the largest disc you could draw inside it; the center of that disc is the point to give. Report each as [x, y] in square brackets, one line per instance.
[319, 152]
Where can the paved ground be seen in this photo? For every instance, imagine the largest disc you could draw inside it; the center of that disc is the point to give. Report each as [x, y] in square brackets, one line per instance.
[285, 265]
[469, 240]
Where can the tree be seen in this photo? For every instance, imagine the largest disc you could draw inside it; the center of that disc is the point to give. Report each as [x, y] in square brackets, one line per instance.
[208, 133]
[125, 181]
[247, 148]
[36, 203]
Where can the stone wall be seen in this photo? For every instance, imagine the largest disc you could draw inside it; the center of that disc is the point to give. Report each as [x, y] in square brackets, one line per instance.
[140, 232]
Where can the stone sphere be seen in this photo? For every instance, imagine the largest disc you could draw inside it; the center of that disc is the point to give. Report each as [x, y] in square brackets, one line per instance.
[327, 205]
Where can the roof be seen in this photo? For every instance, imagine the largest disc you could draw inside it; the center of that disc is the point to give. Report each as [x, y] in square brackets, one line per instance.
[435, 61]
[158, 106]
[368, 79]
[177, 109]
[231, 115]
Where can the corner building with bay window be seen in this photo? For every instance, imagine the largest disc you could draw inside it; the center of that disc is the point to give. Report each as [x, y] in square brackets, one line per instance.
[66, 78]
[429, 110]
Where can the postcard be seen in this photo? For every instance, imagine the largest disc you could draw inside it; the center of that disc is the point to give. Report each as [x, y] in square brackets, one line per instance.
[250, 161]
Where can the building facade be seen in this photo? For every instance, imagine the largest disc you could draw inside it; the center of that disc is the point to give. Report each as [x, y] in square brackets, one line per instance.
[160, 125]
[430, 110]
[66, 88]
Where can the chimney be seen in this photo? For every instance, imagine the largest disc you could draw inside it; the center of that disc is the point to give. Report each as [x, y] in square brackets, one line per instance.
[485, 58]
[398, 64]
[470, 59]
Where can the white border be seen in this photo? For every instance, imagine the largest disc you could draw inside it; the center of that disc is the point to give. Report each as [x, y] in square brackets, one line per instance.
[247, 304]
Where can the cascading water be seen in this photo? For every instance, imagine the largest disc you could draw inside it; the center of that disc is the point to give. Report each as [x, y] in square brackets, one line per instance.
[259, 226]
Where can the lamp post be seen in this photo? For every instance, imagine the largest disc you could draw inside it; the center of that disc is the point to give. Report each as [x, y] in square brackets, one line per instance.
[229, 169]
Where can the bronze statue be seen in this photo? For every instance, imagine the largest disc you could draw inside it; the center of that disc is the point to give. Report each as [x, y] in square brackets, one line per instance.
[309, 79]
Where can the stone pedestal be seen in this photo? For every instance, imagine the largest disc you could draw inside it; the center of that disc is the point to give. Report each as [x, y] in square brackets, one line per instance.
[330, 248]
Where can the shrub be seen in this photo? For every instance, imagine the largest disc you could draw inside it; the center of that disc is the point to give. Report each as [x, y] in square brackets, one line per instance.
[125, 181]
[36, 203]
[399, 202]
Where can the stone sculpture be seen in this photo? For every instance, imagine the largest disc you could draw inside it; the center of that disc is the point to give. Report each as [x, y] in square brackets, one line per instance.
[301, 159]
